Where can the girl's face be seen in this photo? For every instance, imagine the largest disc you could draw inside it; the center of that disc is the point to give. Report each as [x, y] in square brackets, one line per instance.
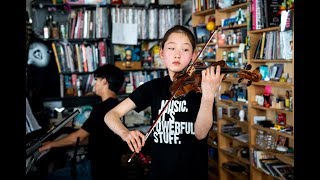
[177, 53]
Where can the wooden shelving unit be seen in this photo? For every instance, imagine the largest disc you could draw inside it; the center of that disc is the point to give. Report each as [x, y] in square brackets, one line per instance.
[278, 90]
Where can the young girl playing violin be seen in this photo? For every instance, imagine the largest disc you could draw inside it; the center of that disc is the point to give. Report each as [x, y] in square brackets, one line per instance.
[179, 140]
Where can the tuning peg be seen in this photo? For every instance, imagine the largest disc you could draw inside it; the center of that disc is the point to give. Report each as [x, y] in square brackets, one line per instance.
[248, 67]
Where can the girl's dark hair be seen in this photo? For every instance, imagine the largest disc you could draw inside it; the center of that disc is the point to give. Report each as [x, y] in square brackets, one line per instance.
[113, 74]
[179, 29]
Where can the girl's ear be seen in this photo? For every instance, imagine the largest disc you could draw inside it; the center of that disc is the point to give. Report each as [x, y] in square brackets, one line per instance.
[161, 53]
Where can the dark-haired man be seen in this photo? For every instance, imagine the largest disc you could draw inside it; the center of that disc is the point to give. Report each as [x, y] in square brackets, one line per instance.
[104, 147]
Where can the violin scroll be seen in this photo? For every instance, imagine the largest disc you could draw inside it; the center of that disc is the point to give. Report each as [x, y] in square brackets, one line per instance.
[251, 76]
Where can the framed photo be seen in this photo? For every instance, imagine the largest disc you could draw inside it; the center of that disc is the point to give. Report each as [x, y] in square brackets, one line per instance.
[281, 140]
[201, 33]
[286, 171]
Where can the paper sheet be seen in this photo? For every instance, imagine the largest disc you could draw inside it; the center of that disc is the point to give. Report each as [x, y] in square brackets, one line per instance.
[125, 33]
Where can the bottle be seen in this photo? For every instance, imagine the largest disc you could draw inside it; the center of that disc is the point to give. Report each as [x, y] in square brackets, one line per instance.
[78, 85]
[47, 28]
[54, 30]
[287, 100]
[46, 31]
[62, 31]
[224, 54]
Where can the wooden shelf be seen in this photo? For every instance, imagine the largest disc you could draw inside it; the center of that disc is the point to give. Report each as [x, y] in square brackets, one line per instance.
[272, 131]
[270, 109]
[240, 159]
[271, 60]
[237, 174]
[234, 26]
[273, 83]
[261, 171]
[286, 158]
[233, 138]
[230, 102]
[277, 28]
[205, 12]
[244, 123]
[233, 8]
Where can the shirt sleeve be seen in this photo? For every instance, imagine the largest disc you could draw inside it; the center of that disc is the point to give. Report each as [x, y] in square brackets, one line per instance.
[142, 96]
[88, 125]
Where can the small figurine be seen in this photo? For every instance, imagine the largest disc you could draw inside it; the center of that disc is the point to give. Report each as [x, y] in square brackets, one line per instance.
[240, 17]
[241, 115]
[234, 38]
[128, 56]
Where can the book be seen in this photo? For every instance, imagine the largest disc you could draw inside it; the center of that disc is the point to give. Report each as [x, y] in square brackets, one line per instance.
[257, 50]
[56, 56]
[271, 12]
[286, 46]
[285, 171]
[263, 42]
[279, 71]
[269, 163]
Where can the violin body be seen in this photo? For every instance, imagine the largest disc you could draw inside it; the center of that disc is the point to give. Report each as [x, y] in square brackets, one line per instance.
[190, 78]
[184, 84]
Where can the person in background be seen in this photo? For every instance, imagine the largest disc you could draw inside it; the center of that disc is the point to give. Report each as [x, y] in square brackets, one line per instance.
[179, 141]
[104, 147]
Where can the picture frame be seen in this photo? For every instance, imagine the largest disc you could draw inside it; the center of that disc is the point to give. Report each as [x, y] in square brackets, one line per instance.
[201, 33]
[286, 171]
[281, 140]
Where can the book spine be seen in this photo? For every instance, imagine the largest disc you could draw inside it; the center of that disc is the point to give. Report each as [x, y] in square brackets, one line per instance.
[253, 14]
[56, 56]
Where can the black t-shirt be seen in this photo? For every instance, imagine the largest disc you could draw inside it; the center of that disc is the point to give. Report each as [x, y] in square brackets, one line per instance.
[176, 152]
[105, 147]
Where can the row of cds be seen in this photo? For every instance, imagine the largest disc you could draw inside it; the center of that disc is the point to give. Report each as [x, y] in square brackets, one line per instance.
[152, 23]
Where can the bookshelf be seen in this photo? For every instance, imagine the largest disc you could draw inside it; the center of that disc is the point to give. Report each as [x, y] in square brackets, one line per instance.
[276, 90]
[80, 37]
[77, 41]
[233, 134]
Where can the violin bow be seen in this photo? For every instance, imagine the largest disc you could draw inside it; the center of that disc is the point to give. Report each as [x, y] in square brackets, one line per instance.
[154, 124]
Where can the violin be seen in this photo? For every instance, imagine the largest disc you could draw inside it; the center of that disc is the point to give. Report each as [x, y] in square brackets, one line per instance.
[189, 79]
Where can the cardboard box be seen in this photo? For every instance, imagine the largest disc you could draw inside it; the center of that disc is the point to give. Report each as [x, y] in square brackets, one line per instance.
[128, 65]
